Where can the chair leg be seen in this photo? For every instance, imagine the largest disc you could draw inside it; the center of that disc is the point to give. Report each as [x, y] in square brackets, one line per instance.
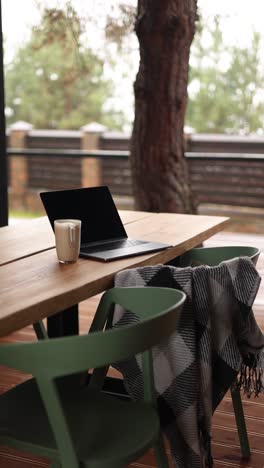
[162, 460]
[40, 330]
[241, 423]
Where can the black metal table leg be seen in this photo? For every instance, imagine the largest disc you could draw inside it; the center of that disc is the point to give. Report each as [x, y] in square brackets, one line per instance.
[64, 323]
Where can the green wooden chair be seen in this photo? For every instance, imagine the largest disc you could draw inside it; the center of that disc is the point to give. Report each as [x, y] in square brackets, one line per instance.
[212, 256]
[76, 425]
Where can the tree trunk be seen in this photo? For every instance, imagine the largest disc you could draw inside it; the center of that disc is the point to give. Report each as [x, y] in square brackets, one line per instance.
[165, 30]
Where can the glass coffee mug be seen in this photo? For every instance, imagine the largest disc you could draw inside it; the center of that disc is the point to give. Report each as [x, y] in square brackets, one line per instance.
[68, 239]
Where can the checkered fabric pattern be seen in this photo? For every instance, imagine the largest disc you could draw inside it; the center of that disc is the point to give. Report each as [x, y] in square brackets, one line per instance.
[217, 337]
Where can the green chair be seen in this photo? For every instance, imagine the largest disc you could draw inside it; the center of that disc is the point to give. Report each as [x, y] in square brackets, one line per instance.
[76, 425]
[212, 256]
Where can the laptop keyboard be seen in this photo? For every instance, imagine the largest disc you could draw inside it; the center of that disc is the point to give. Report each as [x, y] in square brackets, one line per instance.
[120, 244]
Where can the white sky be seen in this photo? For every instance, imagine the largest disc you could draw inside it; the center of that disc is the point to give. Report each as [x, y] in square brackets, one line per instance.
[240, 17]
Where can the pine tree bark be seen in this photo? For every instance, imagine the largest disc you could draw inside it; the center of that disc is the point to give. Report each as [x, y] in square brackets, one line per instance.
[165, 30]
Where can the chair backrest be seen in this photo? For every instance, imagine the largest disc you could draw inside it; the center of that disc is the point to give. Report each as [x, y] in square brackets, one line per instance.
[212, 256]
[157, 308]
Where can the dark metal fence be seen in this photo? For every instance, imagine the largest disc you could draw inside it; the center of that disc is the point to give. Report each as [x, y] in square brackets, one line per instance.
[218, 178]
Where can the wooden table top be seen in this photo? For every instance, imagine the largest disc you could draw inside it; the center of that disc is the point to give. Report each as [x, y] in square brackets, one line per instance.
[35, 285]
[34, 236]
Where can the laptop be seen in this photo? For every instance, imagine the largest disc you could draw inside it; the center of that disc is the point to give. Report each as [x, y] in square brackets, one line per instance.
[103, 236]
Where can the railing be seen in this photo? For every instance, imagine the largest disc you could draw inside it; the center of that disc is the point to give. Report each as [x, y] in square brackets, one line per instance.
[68, 153]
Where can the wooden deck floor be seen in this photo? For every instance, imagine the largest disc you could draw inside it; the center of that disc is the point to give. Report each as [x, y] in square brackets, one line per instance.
[225, 445]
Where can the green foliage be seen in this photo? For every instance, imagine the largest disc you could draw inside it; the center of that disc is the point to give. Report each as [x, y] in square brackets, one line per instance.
[224, 84]
[54, 80]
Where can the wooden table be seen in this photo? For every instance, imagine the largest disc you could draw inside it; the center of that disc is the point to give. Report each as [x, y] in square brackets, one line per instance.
[34, 285]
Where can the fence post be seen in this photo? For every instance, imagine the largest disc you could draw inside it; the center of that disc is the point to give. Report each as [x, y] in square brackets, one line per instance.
[18, 165]
[91, 167]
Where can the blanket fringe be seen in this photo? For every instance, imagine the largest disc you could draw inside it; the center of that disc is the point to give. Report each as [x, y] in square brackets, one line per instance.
[250, 379]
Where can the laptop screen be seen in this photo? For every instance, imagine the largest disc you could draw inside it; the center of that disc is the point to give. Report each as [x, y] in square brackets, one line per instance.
[94, 206]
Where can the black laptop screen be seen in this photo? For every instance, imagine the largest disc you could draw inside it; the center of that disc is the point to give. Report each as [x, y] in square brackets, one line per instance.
[94, 206]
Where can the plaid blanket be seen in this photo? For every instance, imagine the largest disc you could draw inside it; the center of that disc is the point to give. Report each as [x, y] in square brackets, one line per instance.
[217, 338]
